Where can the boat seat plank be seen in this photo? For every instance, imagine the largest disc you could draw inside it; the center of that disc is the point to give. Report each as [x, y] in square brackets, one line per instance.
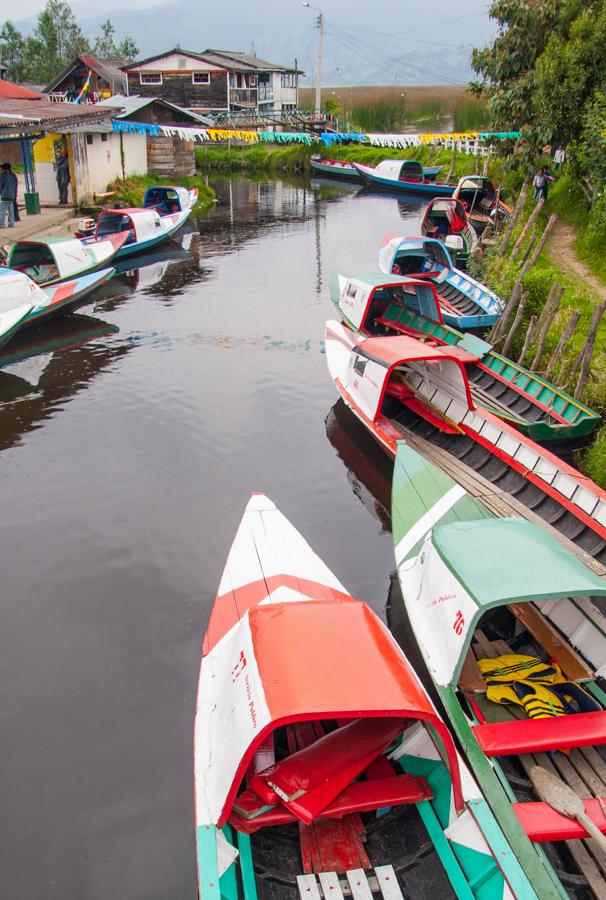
[388, 883]
[542, 823]
[533, 735]
[471, 678]
[552, 642]
[501, 648]
[332, 845]
[589, 776]
[485, 645]
[360, 889]
[330, 885]
[596, 761]
[308, 887]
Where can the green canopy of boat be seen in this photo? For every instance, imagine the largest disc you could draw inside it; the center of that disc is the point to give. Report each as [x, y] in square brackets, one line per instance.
[501, 561]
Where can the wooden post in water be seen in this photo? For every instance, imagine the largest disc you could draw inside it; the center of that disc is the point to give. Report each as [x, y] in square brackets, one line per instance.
[503, 319]
[516, 324]
[531, 220]
[575, 315]
[514, 218]
[528, 266]
[528, 339]
[587, 350]
[550, 310]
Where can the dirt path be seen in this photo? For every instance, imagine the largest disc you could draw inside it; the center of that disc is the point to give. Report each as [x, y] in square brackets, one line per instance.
[561, 249]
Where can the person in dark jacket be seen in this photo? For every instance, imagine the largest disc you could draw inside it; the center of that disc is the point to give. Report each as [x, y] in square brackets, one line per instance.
[8, 195]
[63, 176]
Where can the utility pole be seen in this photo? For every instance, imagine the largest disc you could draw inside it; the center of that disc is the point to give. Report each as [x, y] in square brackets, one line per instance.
[318, 103]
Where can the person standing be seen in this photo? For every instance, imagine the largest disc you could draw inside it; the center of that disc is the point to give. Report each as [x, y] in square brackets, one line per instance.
[559, 158]
[538, 183]
[8, 195]
[63, 176]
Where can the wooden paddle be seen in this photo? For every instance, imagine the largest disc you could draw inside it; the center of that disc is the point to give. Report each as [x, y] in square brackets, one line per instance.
[563, 799]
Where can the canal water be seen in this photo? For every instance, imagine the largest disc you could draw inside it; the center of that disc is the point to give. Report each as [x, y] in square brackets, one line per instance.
[131, 436]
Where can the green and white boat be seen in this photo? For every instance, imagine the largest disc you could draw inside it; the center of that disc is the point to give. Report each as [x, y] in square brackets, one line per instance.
[48, 261]
[486, 595]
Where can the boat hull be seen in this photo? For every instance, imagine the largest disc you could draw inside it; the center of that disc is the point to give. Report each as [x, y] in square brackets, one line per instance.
[148, 243]
[67, 297]
[426, 188]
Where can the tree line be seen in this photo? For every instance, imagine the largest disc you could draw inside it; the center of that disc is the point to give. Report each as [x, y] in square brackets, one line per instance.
[56, 39]
[545, 75]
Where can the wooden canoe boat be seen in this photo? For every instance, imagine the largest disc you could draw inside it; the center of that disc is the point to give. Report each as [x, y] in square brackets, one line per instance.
[398, 384]
[49, 261]
[478, 588]
[482, 201]
[168, 208]
[405, 175]
[64, 298]
[375, 305]
[465, 303]
[285, 749]
[445, 220]
[18, 297]
[336, 168]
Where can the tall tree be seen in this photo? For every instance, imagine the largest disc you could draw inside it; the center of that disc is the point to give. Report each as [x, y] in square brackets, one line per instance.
[11, 49]
[56, 39]
[106, 47]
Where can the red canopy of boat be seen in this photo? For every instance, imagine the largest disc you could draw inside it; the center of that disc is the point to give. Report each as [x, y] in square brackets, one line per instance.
[292, 660]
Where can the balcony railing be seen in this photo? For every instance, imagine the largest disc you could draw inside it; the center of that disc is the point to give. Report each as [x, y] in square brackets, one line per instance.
[266, 93]
[243, 95]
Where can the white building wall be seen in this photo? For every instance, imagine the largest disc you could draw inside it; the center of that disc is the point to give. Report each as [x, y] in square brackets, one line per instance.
[176, 62]
[98, 163]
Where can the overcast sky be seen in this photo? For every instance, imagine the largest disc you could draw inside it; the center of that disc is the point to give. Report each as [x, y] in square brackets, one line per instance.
[402, 41]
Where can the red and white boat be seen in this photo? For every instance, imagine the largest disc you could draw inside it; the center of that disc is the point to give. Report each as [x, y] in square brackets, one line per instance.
[309, 715]
[398, 384]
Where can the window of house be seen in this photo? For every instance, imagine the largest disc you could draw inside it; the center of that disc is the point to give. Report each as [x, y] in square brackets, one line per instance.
[89, 138]
[103, 137]
[252, 80]
[150, 77]
[200, 77]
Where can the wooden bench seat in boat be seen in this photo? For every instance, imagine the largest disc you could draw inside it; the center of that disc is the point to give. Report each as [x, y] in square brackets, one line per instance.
[542, 823]
[357, 884]
[362, 796]
[536, 735]
[558, 648]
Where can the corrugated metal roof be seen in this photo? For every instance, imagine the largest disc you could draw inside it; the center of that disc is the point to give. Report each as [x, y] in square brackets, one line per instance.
[10, 91]
[129, 106]
[41, 115]
[245, 60]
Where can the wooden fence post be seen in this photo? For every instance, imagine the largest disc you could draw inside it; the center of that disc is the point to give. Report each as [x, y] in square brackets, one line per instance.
[531, 220]
[528, 339]
[503, 319]
[587, 351]
[550, 310]
[575, 315]
[528, 266]
[516, 324]
[514, 217]
[531, 243]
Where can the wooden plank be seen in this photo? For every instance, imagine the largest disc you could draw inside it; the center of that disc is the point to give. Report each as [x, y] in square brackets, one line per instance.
[596, 761]
[471, 678]
[247, 870]
[308, 887]
[330, 885]
[585, 770]
[486, 645]
[501, 648]
[358, 883]
[388, 883]
[551, 640]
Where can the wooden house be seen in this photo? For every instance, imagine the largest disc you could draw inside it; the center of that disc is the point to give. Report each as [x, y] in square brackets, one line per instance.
[105, 78]
[214, 81]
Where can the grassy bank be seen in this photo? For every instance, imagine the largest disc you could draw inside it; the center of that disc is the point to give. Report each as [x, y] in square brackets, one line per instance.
[131, 191]
[501, 274]
[567, 201]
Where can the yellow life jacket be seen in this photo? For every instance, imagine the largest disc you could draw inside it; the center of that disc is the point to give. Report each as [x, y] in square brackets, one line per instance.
[539, 688]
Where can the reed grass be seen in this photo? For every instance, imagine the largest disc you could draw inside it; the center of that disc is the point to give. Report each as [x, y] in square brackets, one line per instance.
[471, 116]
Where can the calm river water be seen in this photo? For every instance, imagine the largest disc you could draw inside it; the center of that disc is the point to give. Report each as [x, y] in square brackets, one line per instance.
[130, 444]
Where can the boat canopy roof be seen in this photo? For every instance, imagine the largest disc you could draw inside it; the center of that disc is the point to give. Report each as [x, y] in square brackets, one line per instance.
[449, 208]
[476, 183]
[67, 255]
[394, 350]
[144, 223]
[300, 650]
[16, 289]
[401, 169]
[502, 561]
[422, 251]
[167, 198]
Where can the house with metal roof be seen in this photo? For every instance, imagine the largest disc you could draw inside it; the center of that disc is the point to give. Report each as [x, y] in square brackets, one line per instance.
[215, 81]
[101, 77]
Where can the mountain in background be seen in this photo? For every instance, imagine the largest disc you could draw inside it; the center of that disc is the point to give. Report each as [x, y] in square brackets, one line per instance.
[399, 46]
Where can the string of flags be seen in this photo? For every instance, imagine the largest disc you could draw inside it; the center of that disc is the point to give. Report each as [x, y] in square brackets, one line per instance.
[201, 135]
